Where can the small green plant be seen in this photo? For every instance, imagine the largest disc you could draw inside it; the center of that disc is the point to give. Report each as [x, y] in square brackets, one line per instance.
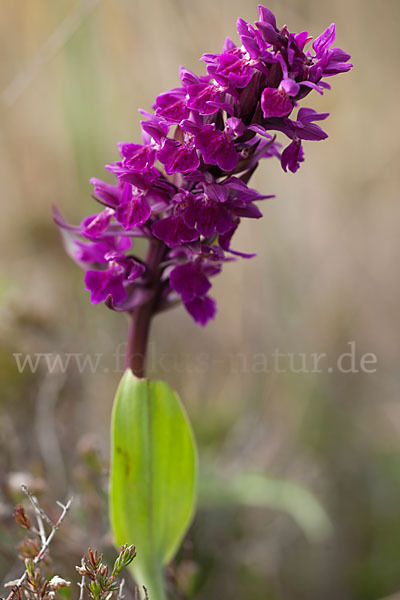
[97, 581]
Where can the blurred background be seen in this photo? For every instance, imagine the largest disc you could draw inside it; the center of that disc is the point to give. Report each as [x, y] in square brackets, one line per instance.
[322, 517]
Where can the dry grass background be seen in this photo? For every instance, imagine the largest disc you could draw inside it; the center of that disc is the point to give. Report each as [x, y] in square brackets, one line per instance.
[326, 274]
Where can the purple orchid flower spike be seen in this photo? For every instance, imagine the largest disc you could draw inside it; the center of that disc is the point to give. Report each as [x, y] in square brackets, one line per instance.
[185, 189]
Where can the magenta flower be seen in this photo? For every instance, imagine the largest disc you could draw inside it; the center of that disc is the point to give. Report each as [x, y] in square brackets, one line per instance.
[292, 156]
[132, 209]
[189, 281]
[277, 102]
[113, 281]
[94, 226]
[172, 106]
[173, 231]
[179, 157]
[185, 188]
[217, 147]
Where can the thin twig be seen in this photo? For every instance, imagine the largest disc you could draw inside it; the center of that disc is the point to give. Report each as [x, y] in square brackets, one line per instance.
[65, 509]
[39, 514]
[82, 582]
[45, 545]
[121, 590]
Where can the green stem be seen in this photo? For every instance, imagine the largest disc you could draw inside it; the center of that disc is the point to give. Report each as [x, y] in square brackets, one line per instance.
[135, 359]
[154, 582]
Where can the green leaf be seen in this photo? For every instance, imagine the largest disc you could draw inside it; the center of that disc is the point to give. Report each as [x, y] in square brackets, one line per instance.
[153, 476]
[257, 490]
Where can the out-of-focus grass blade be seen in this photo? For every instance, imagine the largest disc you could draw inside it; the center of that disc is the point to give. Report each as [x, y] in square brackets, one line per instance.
[256, 490]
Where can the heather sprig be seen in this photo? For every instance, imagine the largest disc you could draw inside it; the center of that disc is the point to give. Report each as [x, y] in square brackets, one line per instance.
[32, 584]
[96, 579]
[185, 188]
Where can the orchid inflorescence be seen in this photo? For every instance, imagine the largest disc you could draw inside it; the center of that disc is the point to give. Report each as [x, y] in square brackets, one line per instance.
[185, 188]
